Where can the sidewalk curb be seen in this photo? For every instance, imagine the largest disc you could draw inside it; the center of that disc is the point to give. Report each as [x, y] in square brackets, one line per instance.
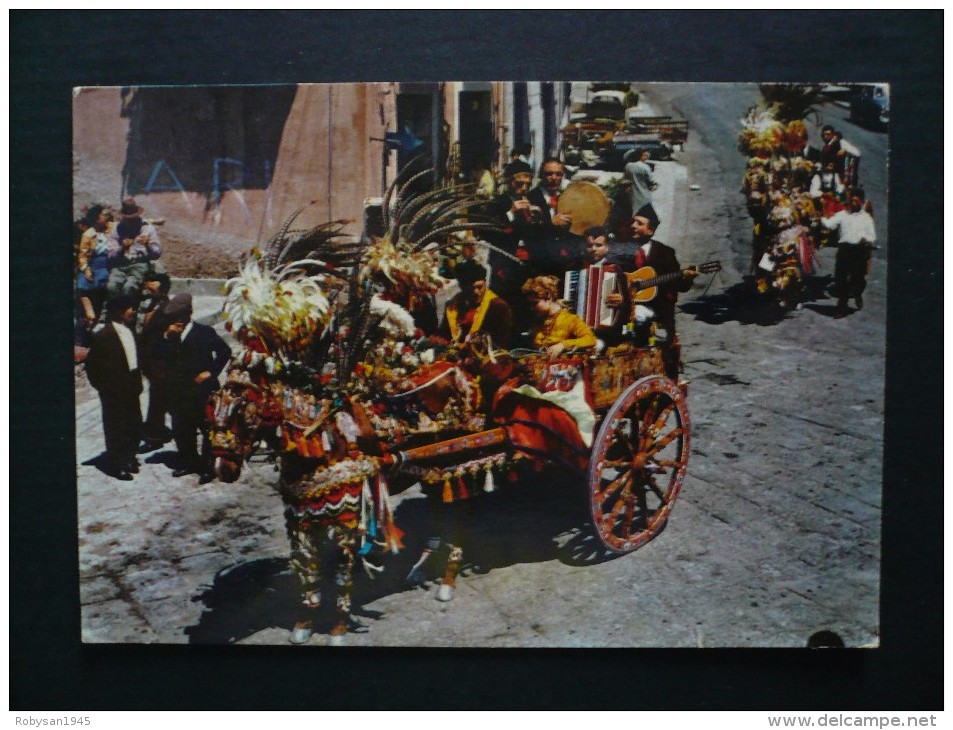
[207, 297]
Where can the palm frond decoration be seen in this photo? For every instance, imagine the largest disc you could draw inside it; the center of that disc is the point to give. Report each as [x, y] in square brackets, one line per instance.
[326, 241]
[418, 160]
[791, 101]
[318, 296]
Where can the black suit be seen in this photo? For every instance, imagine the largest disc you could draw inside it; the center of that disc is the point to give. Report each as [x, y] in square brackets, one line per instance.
[119, 387]
[830, 152]
[555, 247]
[508, 272]
[200, 351]
[662, 258]
[527, 227]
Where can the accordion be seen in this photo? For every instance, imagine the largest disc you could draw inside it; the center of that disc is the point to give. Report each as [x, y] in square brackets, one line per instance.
[586, 292]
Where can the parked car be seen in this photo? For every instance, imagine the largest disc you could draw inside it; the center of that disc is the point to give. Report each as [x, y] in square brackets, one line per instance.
[631, 97]
[870, 103]
[626, 143]
[583, 142]
[674, 132]
[607, 105]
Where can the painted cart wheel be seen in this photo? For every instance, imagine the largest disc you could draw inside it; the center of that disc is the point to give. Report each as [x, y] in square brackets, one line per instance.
[638, 463]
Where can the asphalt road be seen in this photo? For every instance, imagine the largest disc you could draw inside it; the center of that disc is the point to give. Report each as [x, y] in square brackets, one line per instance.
[775, 534]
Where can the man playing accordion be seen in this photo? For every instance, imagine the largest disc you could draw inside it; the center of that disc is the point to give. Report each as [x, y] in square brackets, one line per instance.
[595, 288]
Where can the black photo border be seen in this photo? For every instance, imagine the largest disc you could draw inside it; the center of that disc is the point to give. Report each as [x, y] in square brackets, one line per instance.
[53, 51]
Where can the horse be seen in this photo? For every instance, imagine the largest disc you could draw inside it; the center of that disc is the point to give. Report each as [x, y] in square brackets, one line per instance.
[240, 415]
[331, 490]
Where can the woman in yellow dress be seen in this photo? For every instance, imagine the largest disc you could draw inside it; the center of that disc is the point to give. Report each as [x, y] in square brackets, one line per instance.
[557, 330]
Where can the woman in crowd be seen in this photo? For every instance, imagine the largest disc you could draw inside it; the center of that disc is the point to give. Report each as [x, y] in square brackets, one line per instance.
[92, 268]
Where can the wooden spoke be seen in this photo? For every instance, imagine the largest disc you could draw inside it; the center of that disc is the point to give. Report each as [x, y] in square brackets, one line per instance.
[650, 483]
[646, 420]
[643, 502]
[662, 417]
[616, 486]
[664, 441]
[627, 517]
[609, 517]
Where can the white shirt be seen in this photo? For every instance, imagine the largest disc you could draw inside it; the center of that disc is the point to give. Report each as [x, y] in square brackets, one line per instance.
[128, 344]
[854, 227]
[185, 332]
[548, 196]
[817, 184]
[849, 148]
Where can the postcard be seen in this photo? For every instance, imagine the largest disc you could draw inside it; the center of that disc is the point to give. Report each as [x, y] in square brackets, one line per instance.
[572, 364]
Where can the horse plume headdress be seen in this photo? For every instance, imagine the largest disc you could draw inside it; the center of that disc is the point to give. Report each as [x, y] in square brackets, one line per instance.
[312, 287]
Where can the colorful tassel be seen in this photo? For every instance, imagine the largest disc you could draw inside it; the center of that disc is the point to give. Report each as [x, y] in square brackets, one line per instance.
[367, 519]
[462, 493]
[447, 491]
[488, 483]
[393, 535]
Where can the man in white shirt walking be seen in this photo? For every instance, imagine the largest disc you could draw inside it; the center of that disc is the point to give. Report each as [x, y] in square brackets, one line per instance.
[856, 233]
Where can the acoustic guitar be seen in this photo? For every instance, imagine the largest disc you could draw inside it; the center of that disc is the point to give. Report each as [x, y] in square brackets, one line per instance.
[644, 282]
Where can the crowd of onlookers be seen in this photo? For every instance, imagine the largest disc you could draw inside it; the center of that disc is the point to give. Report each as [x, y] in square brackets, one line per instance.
[543, 287]
[127, 327]
[117, 253]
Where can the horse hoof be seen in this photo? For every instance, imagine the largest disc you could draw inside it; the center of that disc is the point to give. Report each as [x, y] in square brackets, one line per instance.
[301, 632]
[444, 592]
[338, 632]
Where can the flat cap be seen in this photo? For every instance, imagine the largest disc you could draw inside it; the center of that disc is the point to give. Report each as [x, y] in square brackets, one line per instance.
[179, 308]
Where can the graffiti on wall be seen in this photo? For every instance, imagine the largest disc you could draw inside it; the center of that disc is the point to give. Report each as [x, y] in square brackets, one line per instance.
[218, 142]
[228, 176]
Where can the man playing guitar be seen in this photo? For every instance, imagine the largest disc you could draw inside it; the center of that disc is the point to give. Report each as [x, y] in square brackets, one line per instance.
[655, 319]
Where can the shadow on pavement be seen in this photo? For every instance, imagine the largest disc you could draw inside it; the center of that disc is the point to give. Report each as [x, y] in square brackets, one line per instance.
[166, 458]
[101, 462]
[540, 518]
[245, 599]
[741, 303]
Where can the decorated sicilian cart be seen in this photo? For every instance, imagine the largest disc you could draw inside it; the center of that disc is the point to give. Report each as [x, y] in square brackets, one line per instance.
[620, 420]
[338, 380]
[779, 192]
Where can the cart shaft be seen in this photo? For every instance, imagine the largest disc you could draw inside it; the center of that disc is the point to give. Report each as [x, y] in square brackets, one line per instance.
[470, 442]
